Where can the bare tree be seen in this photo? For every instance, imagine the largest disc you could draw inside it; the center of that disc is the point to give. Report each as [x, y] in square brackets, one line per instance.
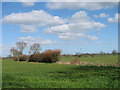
[35, 48]
[101, 53]
[21, 46]
[15, 52]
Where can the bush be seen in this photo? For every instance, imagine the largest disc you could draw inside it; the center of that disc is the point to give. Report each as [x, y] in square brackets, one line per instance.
[35, 58]
[15, 58]
[49, 56]
[24, 58]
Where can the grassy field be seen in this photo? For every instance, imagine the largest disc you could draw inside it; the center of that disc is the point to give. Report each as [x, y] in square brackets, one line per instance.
[46, 75]
[97, 59]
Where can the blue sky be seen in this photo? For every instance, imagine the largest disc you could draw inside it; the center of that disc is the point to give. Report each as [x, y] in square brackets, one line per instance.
[71, 27]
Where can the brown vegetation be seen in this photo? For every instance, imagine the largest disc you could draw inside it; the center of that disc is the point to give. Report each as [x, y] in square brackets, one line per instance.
[24, 58]
[49, 56]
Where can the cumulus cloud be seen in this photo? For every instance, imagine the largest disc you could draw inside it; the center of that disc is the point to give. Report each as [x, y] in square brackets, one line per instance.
[92, 37]
[27, 2]
[115, 18]
[70, 36]
[28, 29]
[34, 17]
[80, 5]
[57, 29]
[38, 18]
[99, 25]
[27, 21]
[102, 15]
[31, 40]
[79, 23]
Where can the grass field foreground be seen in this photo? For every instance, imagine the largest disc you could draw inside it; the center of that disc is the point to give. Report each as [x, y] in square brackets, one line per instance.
[46, 75]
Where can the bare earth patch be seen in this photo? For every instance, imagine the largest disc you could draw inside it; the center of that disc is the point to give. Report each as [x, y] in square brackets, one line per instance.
[81, 63]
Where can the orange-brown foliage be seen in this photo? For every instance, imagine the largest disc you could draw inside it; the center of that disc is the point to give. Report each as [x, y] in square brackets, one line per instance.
[24, 58]
[48, 56]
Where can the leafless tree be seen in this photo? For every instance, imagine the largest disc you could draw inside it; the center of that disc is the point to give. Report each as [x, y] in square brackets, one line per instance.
[101, 53]
[21, 46]
[35, 48]
[15, 52]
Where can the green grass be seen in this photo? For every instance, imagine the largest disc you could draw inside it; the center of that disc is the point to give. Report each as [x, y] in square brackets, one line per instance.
[45, 75]
[97, 59]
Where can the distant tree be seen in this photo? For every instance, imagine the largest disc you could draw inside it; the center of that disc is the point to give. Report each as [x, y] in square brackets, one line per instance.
[78, 53]
[9, 56]
[35, 48]
[15, 52]
[21, 46]
[101, 53]
[114, 52]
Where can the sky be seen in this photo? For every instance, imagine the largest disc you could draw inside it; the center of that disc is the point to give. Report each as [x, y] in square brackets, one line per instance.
[69, 26]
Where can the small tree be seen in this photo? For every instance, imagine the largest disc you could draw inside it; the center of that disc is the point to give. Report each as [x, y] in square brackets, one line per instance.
[15, 52]
[114, 52]
[9, 56]
[21, 46]
[35, 48]
[78, 54]
[101, 53]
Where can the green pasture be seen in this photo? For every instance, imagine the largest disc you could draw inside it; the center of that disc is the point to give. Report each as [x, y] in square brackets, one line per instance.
[46, 75]
[97, 59]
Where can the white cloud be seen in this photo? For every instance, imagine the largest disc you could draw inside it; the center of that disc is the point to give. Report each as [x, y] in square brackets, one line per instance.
[27, 21]
[81, 15]
[70, 36]
[99, 25]
[34, 17]
[27, 2]
[31, 40]
[92, 37]
[28, 29]
[102, 15]
[79, 23]
[115, 18]
[57, 29]
[99, 42]
[80, 5]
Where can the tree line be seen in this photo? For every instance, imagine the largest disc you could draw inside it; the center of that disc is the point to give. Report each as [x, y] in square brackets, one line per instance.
[35, 48]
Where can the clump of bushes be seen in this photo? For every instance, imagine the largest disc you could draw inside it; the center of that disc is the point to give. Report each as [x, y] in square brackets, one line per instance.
[15, 58]
[49, 56]
[35, 58]
[24, 58]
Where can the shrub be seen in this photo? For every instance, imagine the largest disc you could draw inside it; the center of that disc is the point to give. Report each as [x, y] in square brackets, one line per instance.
[24, 58]
[15, 58]
[35, 58]
[49, 56]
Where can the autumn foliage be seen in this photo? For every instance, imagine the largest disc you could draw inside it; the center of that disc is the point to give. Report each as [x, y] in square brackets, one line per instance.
[49, 56]
[24, 58]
